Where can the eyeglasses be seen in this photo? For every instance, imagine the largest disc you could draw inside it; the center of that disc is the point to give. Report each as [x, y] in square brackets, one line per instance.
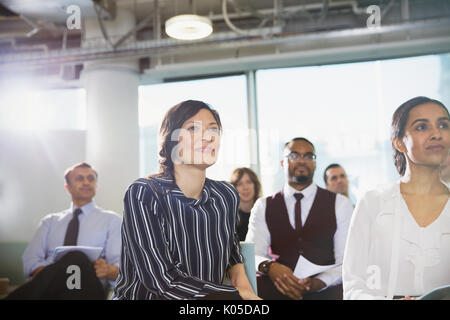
[294, 156]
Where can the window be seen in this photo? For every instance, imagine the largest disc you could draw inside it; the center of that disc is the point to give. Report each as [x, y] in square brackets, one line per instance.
[227, 95]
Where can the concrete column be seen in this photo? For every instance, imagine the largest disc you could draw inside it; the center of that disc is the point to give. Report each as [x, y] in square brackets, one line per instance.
[112, 145]
[255, 163]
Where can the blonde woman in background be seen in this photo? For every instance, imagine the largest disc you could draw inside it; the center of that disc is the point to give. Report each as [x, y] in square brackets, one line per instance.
[247, 184]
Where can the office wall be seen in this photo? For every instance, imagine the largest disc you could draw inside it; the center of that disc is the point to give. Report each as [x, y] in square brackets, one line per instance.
[32, 165]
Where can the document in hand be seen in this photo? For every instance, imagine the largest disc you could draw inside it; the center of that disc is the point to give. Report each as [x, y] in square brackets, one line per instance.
[305, 268]
[93, 253]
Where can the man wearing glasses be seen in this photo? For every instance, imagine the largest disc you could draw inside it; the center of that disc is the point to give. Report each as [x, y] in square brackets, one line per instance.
[300, 232]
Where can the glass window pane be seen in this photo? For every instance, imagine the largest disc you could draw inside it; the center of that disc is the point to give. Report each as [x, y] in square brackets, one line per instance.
[227, 95]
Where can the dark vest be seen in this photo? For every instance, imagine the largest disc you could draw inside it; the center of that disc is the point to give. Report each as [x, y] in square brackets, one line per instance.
[315, 241]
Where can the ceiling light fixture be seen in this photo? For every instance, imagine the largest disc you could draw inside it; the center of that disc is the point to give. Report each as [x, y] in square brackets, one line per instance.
[188, 27]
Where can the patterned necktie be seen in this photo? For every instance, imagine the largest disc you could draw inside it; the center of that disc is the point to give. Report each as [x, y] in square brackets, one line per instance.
[72, 229]
[298, 212]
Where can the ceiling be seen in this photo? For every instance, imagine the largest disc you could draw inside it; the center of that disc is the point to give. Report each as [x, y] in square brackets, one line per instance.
[259, 33]
[54, 10]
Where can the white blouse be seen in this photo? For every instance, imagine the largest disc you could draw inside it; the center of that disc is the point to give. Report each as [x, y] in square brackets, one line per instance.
[422, 254]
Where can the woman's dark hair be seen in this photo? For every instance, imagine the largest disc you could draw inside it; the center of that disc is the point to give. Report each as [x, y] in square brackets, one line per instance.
[173, 120]
[399, 120]
[237, 175]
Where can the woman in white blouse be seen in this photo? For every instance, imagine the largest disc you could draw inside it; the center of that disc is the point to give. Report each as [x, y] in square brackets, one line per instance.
[398, 244]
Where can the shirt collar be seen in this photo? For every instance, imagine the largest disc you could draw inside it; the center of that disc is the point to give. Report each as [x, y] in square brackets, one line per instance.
[309, 191]
[206, 194]
[86, 209]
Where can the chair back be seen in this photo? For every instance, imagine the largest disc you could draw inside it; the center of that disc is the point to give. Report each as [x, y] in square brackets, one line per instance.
[248, 253]
[441, 293]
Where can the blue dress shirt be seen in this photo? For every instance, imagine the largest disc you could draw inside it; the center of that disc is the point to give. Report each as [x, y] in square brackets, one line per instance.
[98, 228]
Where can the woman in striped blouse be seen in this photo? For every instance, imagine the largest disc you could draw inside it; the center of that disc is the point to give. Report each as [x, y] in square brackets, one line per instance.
[179, 227]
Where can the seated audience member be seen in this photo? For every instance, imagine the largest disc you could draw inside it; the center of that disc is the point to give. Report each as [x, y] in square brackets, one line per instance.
[179, 232]
[247, 184]
[336, 179]
[300, 232]
[399, 238]
[83, 224]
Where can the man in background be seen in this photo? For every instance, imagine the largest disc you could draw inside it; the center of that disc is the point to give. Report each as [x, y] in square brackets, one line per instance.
[83, 224]
[300, 233]
[336, 179]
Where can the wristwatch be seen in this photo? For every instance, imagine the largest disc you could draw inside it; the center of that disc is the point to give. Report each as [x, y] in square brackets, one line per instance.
[265, 266]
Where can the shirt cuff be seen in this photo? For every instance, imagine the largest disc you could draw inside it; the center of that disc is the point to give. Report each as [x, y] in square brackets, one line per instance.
[328, 279]
[259, 259]
[112, 283]
[37, 265]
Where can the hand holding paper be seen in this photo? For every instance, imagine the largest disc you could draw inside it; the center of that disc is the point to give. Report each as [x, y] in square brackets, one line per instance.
[309, 269]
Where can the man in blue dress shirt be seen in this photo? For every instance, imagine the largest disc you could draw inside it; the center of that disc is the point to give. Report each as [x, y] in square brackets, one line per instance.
[95, 227]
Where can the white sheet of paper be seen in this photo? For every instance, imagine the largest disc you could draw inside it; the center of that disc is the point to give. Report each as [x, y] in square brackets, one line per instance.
[305, 268]
[93, 253]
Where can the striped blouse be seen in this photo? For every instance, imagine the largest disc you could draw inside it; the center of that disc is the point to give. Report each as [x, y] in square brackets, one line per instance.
[174, 247]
